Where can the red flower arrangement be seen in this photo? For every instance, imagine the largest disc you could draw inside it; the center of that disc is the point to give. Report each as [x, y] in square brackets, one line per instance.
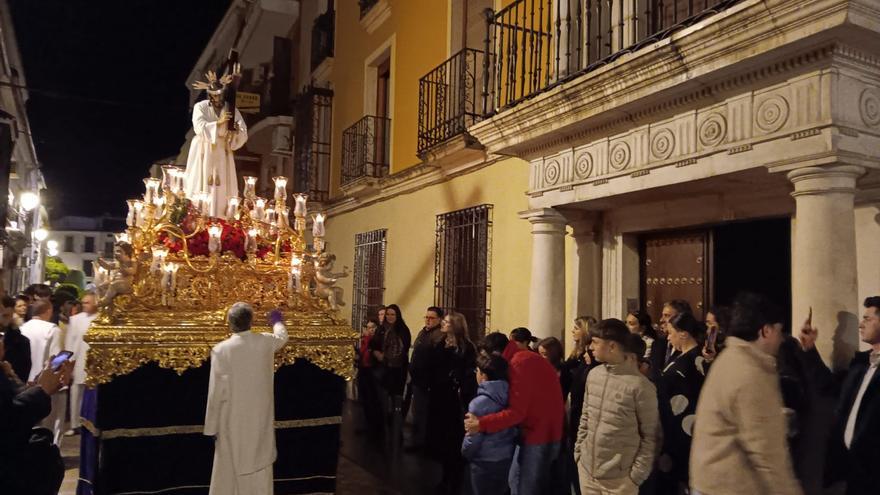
[232, 239]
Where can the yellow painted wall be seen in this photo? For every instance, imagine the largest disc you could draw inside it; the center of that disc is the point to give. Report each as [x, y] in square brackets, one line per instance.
[419, 30]
[410, 220]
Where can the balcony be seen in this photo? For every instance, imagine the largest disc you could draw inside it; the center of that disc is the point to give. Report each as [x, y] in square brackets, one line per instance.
[365, 151]
[322, 38]
[535, 45]
[449, 99]
[311, 175]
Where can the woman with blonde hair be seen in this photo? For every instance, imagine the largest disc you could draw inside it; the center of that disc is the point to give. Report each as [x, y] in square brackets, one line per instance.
[453, 385]
[579, 363]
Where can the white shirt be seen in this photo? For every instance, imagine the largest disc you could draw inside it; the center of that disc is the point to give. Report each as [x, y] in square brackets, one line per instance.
[73, 341]
[850, 429]
[45, 343]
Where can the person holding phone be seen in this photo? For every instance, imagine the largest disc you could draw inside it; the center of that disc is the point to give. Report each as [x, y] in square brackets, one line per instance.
[29, 463]
[45, 339]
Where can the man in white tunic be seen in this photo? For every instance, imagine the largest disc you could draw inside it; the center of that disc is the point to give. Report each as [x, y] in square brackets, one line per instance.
[74, 342]
[210, 165]
[45, 339]
[241, 405]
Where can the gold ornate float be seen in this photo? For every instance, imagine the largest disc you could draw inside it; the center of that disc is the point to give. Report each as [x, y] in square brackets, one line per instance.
[164, 297]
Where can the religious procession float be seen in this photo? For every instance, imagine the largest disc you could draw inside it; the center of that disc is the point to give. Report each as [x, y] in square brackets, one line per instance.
[163, 302]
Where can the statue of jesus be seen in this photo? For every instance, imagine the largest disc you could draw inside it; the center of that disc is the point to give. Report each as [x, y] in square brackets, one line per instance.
[210, 166]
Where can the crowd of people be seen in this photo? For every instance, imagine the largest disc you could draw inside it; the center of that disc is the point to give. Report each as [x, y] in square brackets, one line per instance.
[36, 398]
[684, 406]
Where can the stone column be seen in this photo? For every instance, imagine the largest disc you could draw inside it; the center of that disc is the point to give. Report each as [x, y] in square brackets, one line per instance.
[586, 282]
[547, 286]
[824, 258]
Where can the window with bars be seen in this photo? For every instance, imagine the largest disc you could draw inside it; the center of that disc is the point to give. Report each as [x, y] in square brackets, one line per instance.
[462, 265]
[369, 276]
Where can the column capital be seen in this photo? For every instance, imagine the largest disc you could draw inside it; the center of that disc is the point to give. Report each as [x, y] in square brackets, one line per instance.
[825, 179]
[544, 216]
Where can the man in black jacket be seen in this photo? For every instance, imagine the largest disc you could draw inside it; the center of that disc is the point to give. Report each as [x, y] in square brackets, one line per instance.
[18, 347]
[854, 451]
[420, 366]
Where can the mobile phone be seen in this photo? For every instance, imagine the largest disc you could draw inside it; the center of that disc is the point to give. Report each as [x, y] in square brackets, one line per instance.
[58, 360]
[713, 336]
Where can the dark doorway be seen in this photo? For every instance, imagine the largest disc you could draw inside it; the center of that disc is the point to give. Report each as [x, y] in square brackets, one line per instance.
[753, 256]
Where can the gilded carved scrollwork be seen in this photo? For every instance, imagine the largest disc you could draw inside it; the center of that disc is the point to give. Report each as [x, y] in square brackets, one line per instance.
[177, 330]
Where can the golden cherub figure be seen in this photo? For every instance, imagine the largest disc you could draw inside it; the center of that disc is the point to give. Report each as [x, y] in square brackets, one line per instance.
[120, 274]
[325, 280]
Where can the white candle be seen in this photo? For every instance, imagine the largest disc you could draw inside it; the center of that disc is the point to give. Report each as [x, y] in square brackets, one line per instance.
[131, 219]
[100, 274]
[250, 187]
[174, 268]
[299, 209]
[258, 212]
[251, 239]
[232, 208]
[169, 173]
[280, 188]
[270, 216]
[178, 176]
[214, 231]
[159, 202]
[159, 255]
[318, 225]
[294, 280]
[152, 189]
[138, 213]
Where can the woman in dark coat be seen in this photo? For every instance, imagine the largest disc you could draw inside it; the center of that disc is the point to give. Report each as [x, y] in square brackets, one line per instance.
[453, 385]
[678, 389]
[578, 364]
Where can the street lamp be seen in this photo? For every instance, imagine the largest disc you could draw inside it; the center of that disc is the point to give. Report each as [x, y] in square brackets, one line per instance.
[53, 252]
[52, 244]
[41, 234]
[29, 200]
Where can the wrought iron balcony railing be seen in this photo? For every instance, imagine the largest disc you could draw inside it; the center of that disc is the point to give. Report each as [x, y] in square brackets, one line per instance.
[365, 149]
[449, 98]
[322, 37]
[536, 44]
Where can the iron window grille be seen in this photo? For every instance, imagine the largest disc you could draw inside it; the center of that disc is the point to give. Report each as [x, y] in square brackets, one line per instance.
[369, 276]
[462, 265]
[314, 111]
[322, 37]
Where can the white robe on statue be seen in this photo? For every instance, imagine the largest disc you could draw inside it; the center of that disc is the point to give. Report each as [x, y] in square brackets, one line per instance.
[74, 342]
[211, 157]
[45, 338]
[241, 412]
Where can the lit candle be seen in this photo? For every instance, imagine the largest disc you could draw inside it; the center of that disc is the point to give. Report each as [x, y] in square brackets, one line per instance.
[174, 267]
[152, 189]
[131, 219]
[299, 209]
[232, 208]
[250, 187]
[318, 225]
[169, 176]
[251, 239]
[214, 231]
[270, 216]
[179, 175]
[138, 213]
[258, 212]
[100, 274]
[159, 201]
[280, 189]
[159, 254]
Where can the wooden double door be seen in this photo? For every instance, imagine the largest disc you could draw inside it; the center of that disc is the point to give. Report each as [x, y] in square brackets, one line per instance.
[676, 266]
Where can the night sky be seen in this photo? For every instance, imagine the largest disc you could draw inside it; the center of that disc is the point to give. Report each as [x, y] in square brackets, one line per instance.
[108, 96]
